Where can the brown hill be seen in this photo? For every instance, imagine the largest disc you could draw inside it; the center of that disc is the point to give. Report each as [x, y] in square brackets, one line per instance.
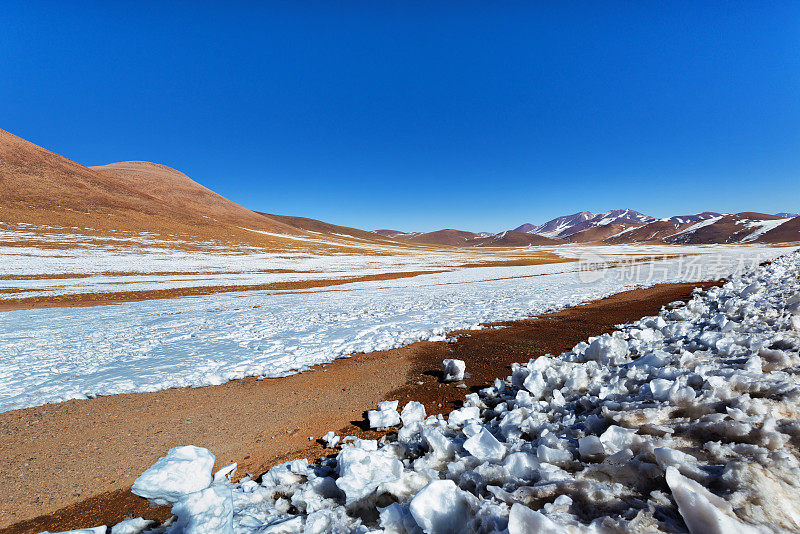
[654, 232]
[453, 238]
[597, 234]
[390, 233]
[788, 232]
[313, 225]
[40, 187]
[727, 229]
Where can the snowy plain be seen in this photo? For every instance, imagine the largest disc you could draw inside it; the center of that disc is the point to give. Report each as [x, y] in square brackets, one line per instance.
[52, 355]
[687, 420]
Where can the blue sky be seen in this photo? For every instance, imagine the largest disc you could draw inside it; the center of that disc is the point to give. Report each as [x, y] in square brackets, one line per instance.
[423, 115]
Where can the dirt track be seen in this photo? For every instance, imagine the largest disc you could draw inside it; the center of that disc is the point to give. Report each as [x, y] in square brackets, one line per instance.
[71, 465]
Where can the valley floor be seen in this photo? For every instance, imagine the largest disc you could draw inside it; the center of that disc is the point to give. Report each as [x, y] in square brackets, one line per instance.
[72, 464]
[57, 354]
[354, 316]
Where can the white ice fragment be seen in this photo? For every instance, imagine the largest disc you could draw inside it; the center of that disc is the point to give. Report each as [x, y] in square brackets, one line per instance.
[702, 511]
[331, 440]
[412, 412]
[397, 519]
[460, 416]
[224, 473]
[485, 447]
[553, 456]
[617, 438]
[209, 511]
[441, 508]
[681, 394]
[453, 370]
[361, 471]
[523, 520]
[285, 474]
[182, 471]
[752, 289]
[660, 387]
[136, 525]
[385, 416]
[650, 360]
[438, 443]
[590, 446]
[535, 383]
[521, 464]
[388, 405]
[366, 444]
[383, 419]
[607, 349]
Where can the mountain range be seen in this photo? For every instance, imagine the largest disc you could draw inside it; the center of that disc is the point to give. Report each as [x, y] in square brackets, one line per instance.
[626, 226]
[41, 188]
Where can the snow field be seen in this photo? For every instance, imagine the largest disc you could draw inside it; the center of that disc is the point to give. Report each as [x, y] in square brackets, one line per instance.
[57, 354]
[688, 420]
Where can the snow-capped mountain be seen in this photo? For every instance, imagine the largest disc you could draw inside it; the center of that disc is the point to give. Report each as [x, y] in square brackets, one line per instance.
[567, 225]
[786, 215]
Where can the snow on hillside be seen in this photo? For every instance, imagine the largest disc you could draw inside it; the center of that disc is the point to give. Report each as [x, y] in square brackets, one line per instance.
[51, 355]
[567, 225]
[686, 233]
[685, 420]
[681, 219]
[760, 228]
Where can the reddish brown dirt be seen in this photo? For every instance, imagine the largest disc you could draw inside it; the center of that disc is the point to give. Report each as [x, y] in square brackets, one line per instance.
[72, 464]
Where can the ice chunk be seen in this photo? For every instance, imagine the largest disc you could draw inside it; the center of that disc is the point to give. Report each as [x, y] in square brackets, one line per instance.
[590, 446]
[553, 456]
[383, 419]
[702, 511]
[523, 520]
[366, 444]
[397, 519]
[209, 511]
[136, 525]
[521, 465]
[485, 447]
[412, 412]
[616, 438]
[453, 370]
[182, 471]
[388, 405]
[462, 415]
[438, 443]
[607, 349]
[285, 474]
[535, 384]
[441, 508]
[385, 416]
[331, 440]
[660, 387]
[224, 473]
[361, 471]
[752, 289]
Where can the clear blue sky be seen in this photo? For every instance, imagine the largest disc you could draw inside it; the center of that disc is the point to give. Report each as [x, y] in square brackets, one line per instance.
[422, 115]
